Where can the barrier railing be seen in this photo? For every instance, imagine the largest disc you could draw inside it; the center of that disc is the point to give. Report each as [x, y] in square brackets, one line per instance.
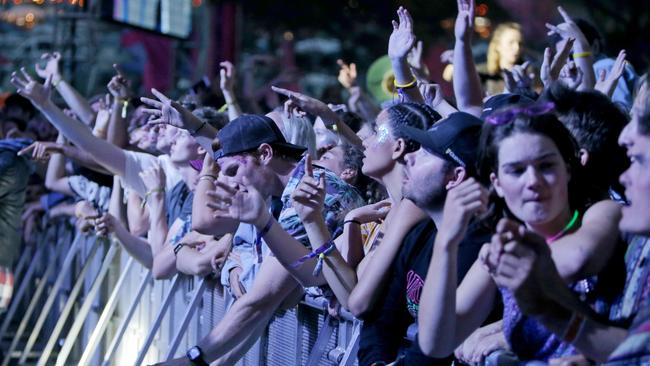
[144, 321]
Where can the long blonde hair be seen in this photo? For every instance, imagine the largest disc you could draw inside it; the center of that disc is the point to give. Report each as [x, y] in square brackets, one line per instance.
[493, 57]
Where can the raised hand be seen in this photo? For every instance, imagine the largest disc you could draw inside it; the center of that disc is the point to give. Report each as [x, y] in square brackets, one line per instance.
[518, 78]
[402, 39]
[227, 76]
[26, 86]
[607, 82]
[167, 111]
[431, 93]
[347, 74]
[567, 29]
[552, 64]
[238, 201]
[119, 86]
[51, 67]
[153, 178]
[103, 117]
[309, 196]
[571, 75]
[414, 59]
[464, 25]
[302, 101]
[41, 150]
[463, 202]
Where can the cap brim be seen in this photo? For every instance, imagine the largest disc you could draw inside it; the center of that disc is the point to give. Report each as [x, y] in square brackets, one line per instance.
[290, 149]
[420, 136]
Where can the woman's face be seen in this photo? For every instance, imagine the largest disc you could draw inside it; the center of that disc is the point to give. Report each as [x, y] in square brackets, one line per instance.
[378, 148]
[532, 178]
[509, 48]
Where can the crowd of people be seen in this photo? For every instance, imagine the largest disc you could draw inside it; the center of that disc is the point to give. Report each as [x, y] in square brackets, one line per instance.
[503, 225]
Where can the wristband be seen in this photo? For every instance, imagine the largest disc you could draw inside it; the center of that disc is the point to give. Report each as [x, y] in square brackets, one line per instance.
[148, 194]
[405, 86]
[209, 177]
[572, 328]
[260, 235]
[125, 105]
[321, 252]
[582, 54]
[353, 221]
[178, 247]
[56, 83]
[199, 128]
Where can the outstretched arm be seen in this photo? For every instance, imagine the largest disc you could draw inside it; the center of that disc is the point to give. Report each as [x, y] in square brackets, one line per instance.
[105, 153]
[467, 86]
[227, 84]
[75, 101]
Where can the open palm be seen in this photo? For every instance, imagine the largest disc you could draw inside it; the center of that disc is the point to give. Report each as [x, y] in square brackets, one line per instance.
[402, 39]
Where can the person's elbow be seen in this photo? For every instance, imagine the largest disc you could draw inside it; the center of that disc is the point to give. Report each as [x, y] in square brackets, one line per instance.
[431, 346]
[162, 271]
[357, 305]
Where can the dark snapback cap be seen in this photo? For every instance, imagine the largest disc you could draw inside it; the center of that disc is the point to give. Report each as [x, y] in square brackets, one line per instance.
[455, 138]
[248, 132]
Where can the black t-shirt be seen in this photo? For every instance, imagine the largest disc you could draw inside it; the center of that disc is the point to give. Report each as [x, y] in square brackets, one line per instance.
[384, 329]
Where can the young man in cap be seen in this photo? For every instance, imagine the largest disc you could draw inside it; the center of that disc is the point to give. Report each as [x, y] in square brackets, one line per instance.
[254, 159]
[440, 170]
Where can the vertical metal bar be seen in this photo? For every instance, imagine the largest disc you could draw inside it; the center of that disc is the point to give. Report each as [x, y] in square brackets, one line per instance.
[22, 262]
[32, 306]
[156, 324]
[54, 292]
[198, 294]
[81, 316]
[67, 309]
[321, 342]
[22, 289]
[109, 308]
[351, 351]
[110, 352]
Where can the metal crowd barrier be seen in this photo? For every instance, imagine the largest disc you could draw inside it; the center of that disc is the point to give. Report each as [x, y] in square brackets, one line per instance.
[138, 320]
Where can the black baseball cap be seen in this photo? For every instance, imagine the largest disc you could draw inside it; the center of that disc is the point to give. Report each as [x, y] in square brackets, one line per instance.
[455, 139]
[248, 132]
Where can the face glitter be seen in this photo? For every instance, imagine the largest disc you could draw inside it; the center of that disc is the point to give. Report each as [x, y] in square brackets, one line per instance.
[382, 134]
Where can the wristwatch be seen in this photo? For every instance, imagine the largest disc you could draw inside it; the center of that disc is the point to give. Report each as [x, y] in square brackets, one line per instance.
[195, 355]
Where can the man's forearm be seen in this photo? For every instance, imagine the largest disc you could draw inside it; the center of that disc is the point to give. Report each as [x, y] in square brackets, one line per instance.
[138, 248]
[76, 102]
[106, 154]
[83, 158]
[117, 134]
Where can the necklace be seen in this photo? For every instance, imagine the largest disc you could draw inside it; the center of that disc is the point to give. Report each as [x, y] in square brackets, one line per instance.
[569, 226]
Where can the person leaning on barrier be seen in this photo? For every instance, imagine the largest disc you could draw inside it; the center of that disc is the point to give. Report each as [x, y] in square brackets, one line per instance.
[439, 179]
[254, 159]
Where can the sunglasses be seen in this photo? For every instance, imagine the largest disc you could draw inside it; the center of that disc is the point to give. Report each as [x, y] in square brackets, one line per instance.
[508, 115]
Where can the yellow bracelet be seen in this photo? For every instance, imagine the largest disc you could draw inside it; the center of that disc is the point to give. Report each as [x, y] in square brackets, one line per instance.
[146, 195]
[405, 86]
[582, 54]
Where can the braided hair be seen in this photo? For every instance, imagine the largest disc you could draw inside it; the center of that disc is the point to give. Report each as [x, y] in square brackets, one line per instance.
[414, 115]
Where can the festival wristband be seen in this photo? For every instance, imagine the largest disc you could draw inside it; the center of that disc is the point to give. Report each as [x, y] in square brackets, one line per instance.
[582, 54]
[405, 86]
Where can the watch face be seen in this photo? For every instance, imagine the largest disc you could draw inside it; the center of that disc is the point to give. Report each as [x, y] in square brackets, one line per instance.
[194, 353]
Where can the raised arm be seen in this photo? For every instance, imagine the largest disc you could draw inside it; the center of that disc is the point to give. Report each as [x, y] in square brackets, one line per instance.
[400, 43]
[449, 314]
[227, 83]
[119, 89]
[165, 110]
[163, 264]
[582, 52]
[320, 109]
[106, 154]
[73, 99]
[467, 86]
